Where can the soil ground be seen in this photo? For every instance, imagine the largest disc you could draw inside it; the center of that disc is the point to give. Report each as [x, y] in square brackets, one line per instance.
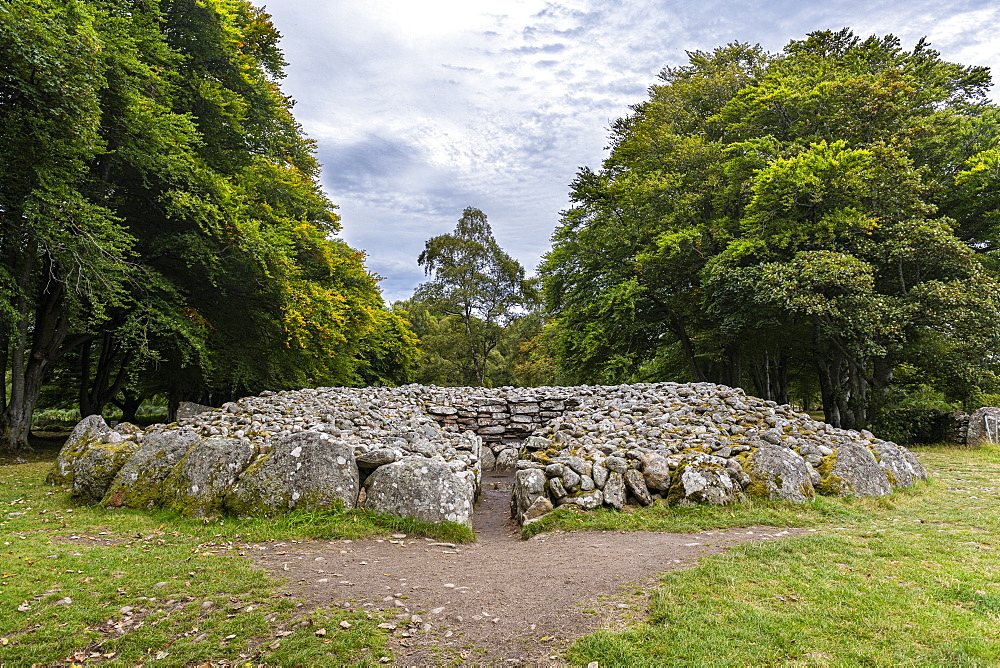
[500, 600]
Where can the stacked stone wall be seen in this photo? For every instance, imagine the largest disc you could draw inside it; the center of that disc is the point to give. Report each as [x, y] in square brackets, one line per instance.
[503, 421]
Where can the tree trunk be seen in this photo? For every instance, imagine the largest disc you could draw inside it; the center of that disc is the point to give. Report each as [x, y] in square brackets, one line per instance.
[680, 331]
[129, 405]
[47, 332]
[98, 391]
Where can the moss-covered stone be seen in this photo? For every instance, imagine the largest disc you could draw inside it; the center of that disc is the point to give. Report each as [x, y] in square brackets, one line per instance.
[705, 479]
[197, 484]
[852, 471]
[777, 473]
[422, 489]
[85, 434]
[306, 471]
[97, 466]
[140, 482]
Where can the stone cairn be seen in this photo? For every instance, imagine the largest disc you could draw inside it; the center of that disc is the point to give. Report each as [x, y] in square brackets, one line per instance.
[419, 452]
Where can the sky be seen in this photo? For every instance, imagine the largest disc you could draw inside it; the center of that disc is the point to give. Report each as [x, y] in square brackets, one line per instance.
[423, 108]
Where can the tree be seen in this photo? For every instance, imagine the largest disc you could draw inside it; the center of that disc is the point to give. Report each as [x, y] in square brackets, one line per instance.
[64, 256]
[808, 220]
[476, 287]
[163, 230]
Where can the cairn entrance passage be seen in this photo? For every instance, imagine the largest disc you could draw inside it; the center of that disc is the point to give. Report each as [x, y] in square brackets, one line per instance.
[502, 420]
[492, 519]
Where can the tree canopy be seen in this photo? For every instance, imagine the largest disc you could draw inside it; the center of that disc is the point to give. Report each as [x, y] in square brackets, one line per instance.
[812, 221]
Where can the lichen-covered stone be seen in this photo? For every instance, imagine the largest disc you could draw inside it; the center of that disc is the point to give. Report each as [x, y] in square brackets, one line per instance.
[585, 500]
[208, 470]
[702, 478]
[614, 490]
[487, 460]
[541, 507]
[309, 471]
[422, 489]
[852, 470]
[97, 466]
[377, 457]
[140, 482]
[506, 461]
[600, 475]
[656, 471]
[570, 479]
[778, 473]
[918, 469]
[636, 485]
[984, 427]
[556, 488]
[529, 487]
[189, 409]
[86, 433]
[898, 469]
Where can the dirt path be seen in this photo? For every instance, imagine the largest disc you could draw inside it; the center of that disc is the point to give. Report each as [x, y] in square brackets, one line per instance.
[501, 600]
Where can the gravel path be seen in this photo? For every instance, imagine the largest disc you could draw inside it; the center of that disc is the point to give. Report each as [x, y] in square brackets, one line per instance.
[501, 600]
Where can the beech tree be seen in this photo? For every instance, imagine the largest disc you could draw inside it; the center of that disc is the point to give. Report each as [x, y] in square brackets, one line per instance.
[812, 219]
[162, 228]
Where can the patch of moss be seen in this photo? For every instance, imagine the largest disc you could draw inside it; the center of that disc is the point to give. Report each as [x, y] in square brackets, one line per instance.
[830, 485]
[62, 471]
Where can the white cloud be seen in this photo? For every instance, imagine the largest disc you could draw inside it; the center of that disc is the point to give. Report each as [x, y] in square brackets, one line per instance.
[421, 109]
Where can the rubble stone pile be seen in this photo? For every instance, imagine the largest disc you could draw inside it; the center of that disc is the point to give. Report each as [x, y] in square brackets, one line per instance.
[419, 452]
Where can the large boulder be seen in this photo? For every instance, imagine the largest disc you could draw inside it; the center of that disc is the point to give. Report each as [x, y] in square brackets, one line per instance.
[141, 481]
[189, 409]
[984, 427]
[97, 466]
[702, 478]
[85, 434]
[206, 473]
[306, 471]
[422, 489]
[778, 473]
[898, 467]
[852, 470]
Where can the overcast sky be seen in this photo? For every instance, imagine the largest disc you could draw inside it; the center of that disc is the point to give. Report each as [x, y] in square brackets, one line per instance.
[422, 108]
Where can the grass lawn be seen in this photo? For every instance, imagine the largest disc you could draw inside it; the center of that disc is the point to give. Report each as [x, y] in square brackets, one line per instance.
[122, 587]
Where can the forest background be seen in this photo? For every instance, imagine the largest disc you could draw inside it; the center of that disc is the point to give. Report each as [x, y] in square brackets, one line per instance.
[817, 226]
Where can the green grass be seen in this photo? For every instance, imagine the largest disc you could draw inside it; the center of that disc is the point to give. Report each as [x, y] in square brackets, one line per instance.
[165, 567]
[913, 579]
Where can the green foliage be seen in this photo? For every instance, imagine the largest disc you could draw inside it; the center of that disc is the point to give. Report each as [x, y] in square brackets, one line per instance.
[162, 229]
[470, 316]
[799, 224]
